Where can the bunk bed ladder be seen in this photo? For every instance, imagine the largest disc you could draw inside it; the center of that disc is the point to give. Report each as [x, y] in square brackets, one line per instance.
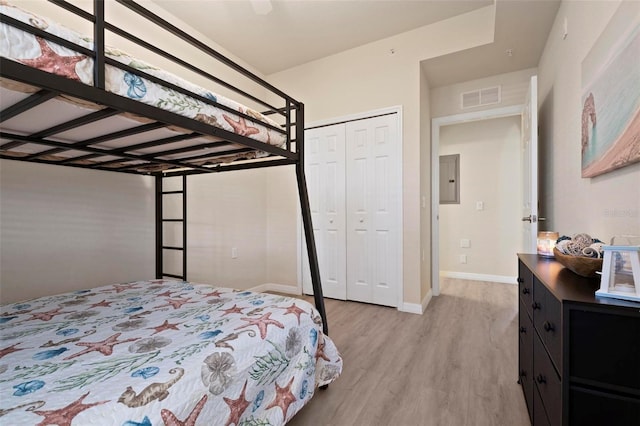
[161, 248]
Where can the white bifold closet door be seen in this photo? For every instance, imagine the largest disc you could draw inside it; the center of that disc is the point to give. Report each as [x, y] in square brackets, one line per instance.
[325, 171]
[354, 194]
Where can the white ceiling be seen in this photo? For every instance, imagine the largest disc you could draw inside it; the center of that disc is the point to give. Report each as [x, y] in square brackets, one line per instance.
[298, 31]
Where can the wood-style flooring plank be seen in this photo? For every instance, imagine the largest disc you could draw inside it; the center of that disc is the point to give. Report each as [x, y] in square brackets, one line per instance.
[455, 365]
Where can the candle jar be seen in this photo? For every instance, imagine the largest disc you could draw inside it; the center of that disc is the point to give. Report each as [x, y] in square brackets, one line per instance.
[546, 243]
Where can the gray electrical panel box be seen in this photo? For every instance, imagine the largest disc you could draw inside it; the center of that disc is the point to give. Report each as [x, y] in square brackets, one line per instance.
[450, 179]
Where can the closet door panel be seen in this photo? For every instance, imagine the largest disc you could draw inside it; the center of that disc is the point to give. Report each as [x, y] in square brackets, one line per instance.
[359, 267]
[325, 170]
[370, 208]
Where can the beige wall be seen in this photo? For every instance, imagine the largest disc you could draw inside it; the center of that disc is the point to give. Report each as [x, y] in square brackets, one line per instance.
[282, 234]
[370, 77]
[603, 206]
[446, 100]
[64, 229]
[226, 211]
[490, 172]
[425, 187]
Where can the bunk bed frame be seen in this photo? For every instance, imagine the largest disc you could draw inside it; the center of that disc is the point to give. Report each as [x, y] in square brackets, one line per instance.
[156, 164]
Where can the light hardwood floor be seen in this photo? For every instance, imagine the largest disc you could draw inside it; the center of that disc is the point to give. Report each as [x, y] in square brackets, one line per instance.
[455, 365]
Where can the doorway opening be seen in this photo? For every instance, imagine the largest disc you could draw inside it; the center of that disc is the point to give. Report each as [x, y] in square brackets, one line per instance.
[462, 243]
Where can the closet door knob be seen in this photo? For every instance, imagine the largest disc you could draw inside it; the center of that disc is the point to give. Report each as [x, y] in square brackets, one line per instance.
[520, 280]
[548, 326]
[330, 220]
[361, 220]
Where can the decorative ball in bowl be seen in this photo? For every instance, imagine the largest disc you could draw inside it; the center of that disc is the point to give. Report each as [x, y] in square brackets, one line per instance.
[581, 265]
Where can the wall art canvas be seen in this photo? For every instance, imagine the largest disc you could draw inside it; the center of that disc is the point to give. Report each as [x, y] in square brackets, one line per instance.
[611, 95]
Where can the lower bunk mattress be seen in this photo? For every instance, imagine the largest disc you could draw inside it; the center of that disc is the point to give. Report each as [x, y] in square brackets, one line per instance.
[161, 353]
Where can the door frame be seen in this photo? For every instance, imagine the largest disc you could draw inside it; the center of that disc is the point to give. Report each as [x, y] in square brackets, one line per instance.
[397, 109]
[436, 124]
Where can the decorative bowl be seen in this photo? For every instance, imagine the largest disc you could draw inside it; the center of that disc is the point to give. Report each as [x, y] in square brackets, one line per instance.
[581, 265]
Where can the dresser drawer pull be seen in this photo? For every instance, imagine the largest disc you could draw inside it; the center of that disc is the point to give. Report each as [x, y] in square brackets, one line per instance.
[523, 329]
[541, 379]
[526, 290]
[535, 305]
[548, 326]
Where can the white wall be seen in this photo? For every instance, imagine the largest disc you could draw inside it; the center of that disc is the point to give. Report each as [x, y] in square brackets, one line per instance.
[370, 77]
[603, 206]
[64, 229]
[490, 172]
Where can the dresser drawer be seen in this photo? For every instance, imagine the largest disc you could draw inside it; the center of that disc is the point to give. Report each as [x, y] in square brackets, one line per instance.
[547, 382]
[589, 407]
[539, 414]
[605, 349]
[525, 356]
[547, 317]
[525, 286]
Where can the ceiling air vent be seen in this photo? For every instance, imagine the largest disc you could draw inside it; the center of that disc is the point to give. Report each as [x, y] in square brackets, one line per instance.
[480, 97]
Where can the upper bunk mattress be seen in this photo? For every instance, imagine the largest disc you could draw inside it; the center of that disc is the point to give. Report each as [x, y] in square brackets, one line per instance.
[161, 352]
[34, 51]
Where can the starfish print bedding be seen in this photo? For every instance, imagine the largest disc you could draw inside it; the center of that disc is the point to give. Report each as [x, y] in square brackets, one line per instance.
[161, 353]
[36, 52]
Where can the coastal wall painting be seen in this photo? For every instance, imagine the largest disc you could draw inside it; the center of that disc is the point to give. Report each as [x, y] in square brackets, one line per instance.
[611, 95]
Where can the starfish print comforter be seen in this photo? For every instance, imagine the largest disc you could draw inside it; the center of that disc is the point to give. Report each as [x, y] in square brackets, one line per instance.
[158, 353]
[37, 52]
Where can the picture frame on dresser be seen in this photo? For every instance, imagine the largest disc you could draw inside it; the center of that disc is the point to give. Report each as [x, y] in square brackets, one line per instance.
[578, 355]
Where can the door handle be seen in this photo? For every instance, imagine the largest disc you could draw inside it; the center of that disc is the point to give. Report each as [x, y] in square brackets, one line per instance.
[531, 218]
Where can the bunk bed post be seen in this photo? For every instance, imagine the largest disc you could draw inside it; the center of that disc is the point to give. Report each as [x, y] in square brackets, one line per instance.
[306, 219]
[98, 37]
[184, 227]
[159, 236]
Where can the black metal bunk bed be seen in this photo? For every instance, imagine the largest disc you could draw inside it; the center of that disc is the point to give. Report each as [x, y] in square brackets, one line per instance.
[183, 161]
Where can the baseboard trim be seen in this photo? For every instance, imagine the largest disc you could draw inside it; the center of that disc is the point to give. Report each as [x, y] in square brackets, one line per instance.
[415, 308]
[280, 288]
[479, 277]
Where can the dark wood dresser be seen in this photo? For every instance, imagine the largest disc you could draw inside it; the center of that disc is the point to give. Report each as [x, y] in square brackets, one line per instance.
[579, 356]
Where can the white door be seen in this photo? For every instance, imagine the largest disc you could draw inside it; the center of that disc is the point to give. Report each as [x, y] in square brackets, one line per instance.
[530, 169]
[371, 207]
[325, 172]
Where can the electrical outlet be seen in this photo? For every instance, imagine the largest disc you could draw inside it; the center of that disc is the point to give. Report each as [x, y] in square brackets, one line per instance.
[234, 253]
[479, 205]
[463, 258]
